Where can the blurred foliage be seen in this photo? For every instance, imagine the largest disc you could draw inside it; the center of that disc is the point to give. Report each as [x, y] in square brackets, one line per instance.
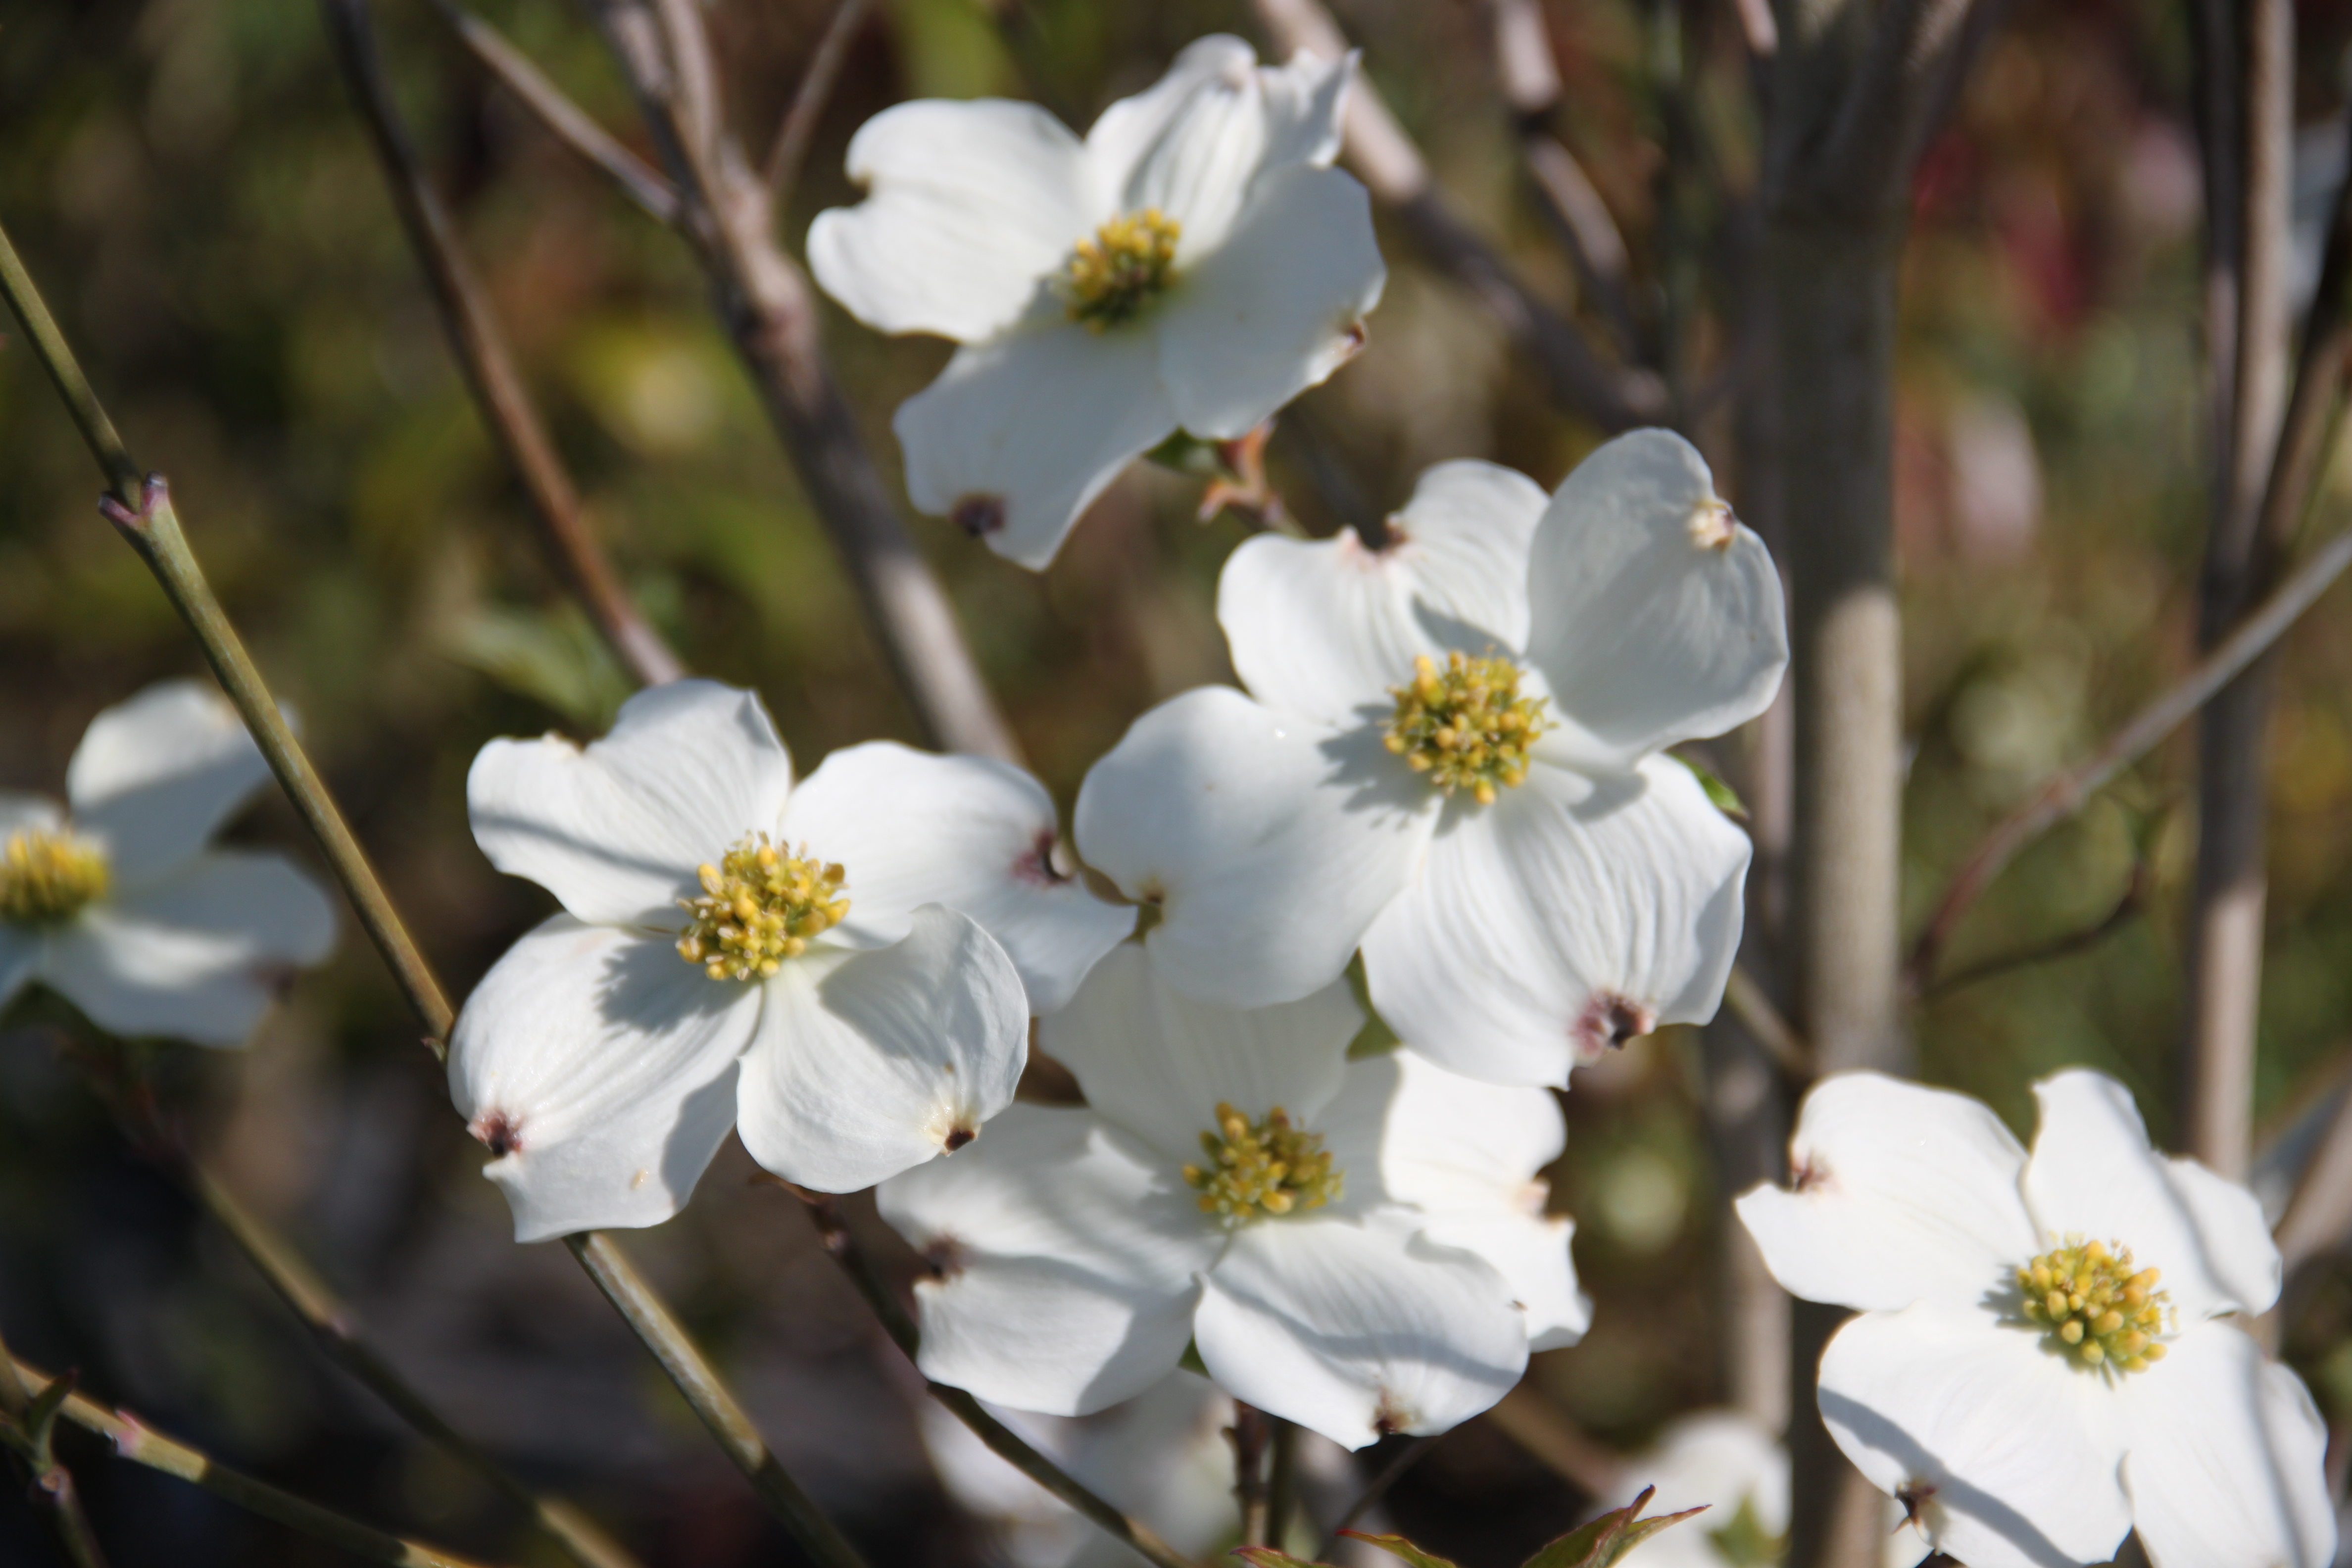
[188, 183]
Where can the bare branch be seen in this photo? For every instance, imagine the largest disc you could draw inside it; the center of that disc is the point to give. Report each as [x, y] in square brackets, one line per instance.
[2127, 908]
[1378, 1488]
[570, 123]
[1748, 999]
[1380, 153]
[1543, 1430]
[490, 372]
[800, 122]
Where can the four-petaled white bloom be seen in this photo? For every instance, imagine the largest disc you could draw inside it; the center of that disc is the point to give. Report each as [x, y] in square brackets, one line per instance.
[1726, 1462]
[2041, 1363]
[117, 903]
[1452, 757]
[818, 966]
[1358, 1246]
[1194, 262]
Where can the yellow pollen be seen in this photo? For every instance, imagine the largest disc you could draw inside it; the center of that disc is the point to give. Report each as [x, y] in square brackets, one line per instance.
[759, 906]
[1263, 1167]
[2087, 1297]
[1119, 269]
[1465, 726]
[46, 878]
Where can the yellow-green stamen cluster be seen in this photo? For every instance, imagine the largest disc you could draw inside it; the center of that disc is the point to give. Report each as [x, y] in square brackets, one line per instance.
[2091, 1301]
[759, 906]
[1267, 1166]
[1125, 265]
[46, 878]
[1465, 726]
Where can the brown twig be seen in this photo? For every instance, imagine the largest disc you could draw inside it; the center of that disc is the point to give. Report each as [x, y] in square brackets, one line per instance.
[1543, 1430]
[1745, 996]
[825, 1212]
[571, 124]
[800, 122]
[1378, 1488]
[28, 1420]
[482, 353]
[1378, 152]
[2126, 908]
[1251, 1436]
[141, 1444]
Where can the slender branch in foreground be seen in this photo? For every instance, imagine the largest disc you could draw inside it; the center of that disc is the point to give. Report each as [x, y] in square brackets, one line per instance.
[154, 532]
[2063, 793]
[336, 1326]
[490, 366]
[1380, 153]
[1543, 1430]
[1377, 1488]
[1746, 995]
[825, 1212]
[570, 124]
[800, 122]
[713, 1403]
[141, 1444]
[2128, 907]
[27, 1422]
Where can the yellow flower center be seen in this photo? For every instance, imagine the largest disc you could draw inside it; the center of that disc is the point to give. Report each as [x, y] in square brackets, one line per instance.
[1121, 267]
[759, 906]
[1465, 726]
[1265, 1166]
[2093, 1305]
[46, 878]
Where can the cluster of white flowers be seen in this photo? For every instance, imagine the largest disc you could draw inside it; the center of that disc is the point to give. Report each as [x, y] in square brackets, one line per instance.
[1449, 761]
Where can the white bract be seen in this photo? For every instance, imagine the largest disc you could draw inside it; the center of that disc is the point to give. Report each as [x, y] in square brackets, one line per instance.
[1358, 1246]
[837, 969]
[1450, 755]
[1194, 262]
[2041, 1362]
[117, 903]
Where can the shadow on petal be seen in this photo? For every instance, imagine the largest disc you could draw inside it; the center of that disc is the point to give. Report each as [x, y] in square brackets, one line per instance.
[1876, 1431]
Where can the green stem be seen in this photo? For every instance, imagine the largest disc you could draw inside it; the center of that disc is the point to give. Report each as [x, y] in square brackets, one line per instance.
[134, 1440]
[52, 1485]
[710, 1398]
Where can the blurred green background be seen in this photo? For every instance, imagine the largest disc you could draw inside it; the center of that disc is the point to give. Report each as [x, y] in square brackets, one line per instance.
[191, 187]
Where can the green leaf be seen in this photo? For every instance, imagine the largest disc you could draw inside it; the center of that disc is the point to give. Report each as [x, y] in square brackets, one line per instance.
[1725, 798]
[1190, 455]
[1267, 1557]
[1608, 1538]
[1745, 1542]
[1375, 1038]
[1397, 1546]
[553, 657]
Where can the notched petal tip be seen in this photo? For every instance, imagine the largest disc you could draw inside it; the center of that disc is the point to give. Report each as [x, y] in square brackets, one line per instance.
[1392, 1416]
[945, 1256]
[957, 1137]
[1712, 525]
[1037, 866]
[1608, 1021]
[1808, 1173]
[978, 515]
[501, 1131]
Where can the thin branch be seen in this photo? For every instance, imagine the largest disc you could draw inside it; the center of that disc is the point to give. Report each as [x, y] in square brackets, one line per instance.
[1543, 1430]
[1376, 149]
[571, 124]
[51, 1486]
[1378, 1488]
[2127, 908]
[141, 1444]
[498, 385]
[833, 1231]
[1746, 995]
[765, 302]
[336, 1327]
[800, 122]
[712, 1402]
[2064, 792]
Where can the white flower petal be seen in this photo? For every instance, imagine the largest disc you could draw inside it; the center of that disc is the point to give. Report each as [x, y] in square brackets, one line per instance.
[155, 776]
[1569, 916]
[2227, 1468]
[1656, 618]
[1274, 309]
[1269, 842]
[1193, 144]
[2094, 1175]
[28, 814]
[1157, 1062]
[1063, 1258]
[1466, 1156]
[1717, 1459]
[199, 955]
[973, 833]
[1358, 1328]
[1901, 1194]
[1323, 628]
[1018, 435]
[970, 208]
[866, 1063]
[616, 831]
[599, 1066]
[2020, 1447]
[21, 952]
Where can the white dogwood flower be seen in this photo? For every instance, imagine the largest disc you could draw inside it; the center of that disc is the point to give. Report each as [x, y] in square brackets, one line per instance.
[1450, 755]
[2042, 1361]
[1195, 262]
[1355, 1246]
[118, 902]
[837, 969]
